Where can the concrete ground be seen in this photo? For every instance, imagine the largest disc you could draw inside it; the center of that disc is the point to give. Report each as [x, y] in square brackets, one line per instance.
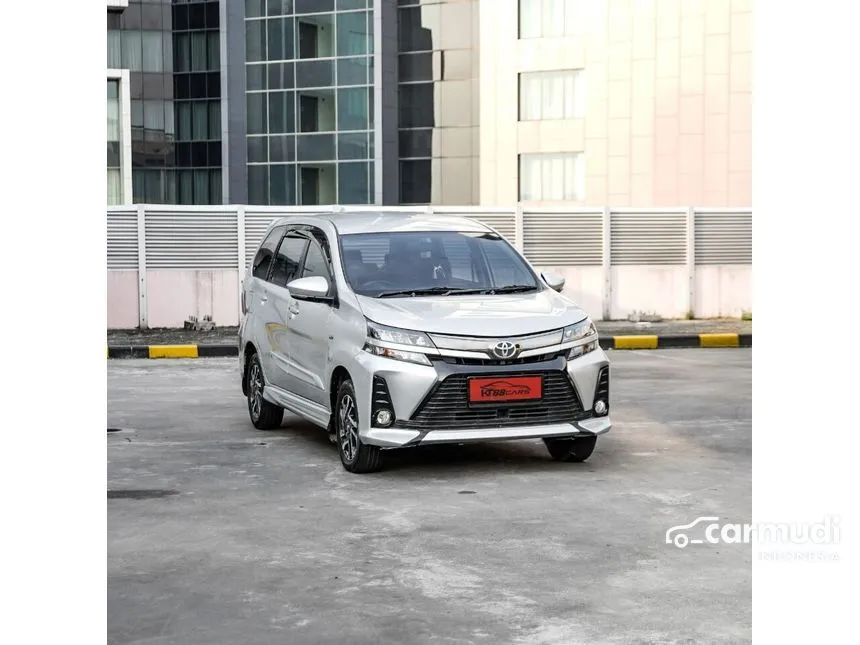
[219, 533]
[228, 335]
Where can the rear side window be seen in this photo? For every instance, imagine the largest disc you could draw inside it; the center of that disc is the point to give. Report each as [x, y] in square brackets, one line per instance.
[267, 250]
[286, 267]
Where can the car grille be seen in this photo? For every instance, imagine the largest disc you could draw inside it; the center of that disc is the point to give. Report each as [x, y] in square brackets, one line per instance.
[447, 406]
[456, 360]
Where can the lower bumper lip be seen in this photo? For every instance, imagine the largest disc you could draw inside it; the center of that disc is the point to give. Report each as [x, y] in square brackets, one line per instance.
[395, 438]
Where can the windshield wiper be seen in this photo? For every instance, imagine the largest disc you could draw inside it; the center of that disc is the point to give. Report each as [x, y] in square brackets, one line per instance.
[513, 288]
[427, 291]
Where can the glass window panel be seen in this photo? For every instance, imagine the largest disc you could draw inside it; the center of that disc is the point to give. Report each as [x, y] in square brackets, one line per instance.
[353, 145]
[200, 124]
[153, 56]
[257, 114]
[169, 126]
[132, 51]
[282, 184]
[215, 187]
[315, 147]
[416, 143]
[282, 112]
[182, 52]
[184, 179]
[184, 110]
[353, 183]
[196, 16]
[355, 71]
[198, 153]
[281, 76]
[258, 150]
[415, 182]
[153, 116]
[353, 109]
[137, 114]
[201, 186]
[254, 8]
[113, 158]
[352, 4]
[114, 49]
[212, 15]
[214, 119]
[114, 186]
[416, 27]
[314, 73]
[255, 77]
[255, 40]
[198, 51]
[167, 53]
[213, 84]
[153, 186]
[138, 187]
[197, 85]
[258, 185]
[282, 148]
[214, 55]
[113, 128]
[352, 34]
[150, 16]
[314, 6]
[416, 67]
[279, 7]
[281, 42]
[180, 16]
[416, 106]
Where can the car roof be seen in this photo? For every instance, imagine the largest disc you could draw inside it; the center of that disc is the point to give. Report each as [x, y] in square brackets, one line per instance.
[348, 223]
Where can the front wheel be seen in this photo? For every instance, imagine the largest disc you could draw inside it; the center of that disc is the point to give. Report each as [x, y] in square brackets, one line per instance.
[264, 415]
[571, 450]
[355, 456]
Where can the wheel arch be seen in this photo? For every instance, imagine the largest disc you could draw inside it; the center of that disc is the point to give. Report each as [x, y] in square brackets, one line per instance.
[248, 351]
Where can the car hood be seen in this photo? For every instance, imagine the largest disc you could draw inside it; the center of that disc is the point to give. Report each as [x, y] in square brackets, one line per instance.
[499, 315]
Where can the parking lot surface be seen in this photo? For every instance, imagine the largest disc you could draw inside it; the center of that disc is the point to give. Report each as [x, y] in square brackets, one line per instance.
[220, 533]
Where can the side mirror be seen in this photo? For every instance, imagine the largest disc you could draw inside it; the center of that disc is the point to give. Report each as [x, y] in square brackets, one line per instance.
[553, 280]
[312, 288]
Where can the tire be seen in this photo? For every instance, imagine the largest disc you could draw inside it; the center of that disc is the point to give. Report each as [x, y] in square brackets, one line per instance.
[355, 456]
[264, 415]
[571, 450]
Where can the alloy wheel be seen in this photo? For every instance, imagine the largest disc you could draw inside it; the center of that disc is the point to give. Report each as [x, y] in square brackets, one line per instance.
[347, 428]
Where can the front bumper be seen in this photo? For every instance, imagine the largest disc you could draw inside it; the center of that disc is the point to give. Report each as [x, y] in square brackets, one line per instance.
[410, 387]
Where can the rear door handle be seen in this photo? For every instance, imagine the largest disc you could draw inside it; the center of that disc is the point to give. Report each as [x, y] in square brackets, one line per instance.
[264, 298]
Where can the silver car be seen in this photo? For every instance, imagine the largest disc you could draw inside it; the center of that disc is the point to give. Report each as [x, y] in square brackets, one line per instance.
[398, 330]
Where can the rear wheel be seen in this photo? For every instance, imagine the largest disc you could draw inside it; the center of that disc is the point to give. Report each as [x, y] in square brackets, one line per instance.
[571, 450]
[355, 456]
[264, 415]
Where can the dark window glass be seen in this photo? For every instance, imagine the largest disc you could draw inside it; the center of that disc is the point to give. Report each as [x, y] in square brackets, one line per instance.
[314, 6]
[281, 112]
[286, 265]
[353, 109]
[113, 159]
[258, 185]
[184, 119]
[212, 15]
[355, 71]
[258, 150]
[310, 186]
[254, 8]
[255, 40]
[199, 121]
[308, 113]
[215, 186]
[185, 186]
[353, 183]
[416, 143]
[281, 76]
[180, 16]
[263, 257]
[279, 7]
[316, 263]
[183, 154]
[353, 34]
[135, 86]
[412, 35]
[282, 148]
[416, 67]
[137, 114]
[154, 189]
[352, 4]
[182, 86]
[114, 20]
[150, 16]
[280, 42]
[213, 84]
[415, 182]
[138, 187]
[214, 119]
[196, 16]
[153, 85]
[353, 145]
[199, 51]
[182, 52]
[255, 77]
[214, 42]
[257, 116]
[282, 184]
[416, 106]
[170, 195]
[315, 147]
[315, 73]
[308, 40]
[130, 17]
[213, 153]
[197, 85]
[199, 154]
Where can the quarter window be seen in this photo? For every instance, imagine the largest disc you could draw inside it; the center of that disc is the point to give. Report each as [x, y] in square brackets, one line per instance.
[288, 259]
[264, 255]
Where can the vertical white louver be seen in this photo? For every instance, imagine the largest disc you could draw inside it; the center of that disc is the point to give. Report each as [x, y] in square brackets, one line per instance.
[191, 238]
[563, 239]
[648, 237]
[723, 237]
[122, 238]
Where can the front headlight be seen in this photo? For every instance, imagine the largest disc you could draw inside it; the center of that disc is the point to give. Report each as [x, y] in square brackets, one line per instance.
[395, 343]
[578, 331]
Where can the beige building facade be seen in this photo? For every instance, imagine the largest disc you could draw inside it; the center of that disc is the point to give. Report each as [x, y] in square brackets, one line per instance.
[640, 103]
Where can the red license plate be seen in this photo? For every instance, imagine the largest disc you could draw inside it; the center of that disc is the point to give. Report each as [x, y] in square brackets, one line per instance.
[504, 389]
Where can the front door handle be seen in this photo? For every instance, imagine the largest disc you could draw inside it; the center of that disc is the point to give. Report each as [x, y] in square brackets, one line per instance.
[294, 309]
[264, 298]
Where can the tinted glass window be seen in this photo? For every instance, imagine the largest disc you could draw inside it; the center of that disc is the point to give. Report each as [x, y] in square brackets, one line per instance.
[286, 266]
[316, 263]
[264, 255]
[377, 264]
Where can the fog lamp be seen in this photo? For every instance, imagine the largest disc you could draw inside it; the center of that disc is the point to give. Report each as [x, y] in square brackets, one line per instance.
[383, 418]
[600, 407]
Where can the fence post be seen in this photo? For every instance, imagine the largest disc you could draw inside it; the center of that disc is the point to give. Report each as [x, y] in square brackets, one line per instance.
[519, 229]
[691, 262]
[240, 242]
[607, 263]
[141, 268]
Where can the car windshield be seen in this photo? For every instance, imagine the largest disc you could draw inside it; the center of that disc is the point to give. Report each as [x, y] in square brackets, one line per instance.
[384, 265]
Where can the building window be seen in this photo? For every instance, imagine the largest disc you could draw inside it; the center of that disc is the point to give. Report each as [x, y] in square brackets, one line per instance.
[552, 177]
[114, 146]
[550, 18]
[552, 95]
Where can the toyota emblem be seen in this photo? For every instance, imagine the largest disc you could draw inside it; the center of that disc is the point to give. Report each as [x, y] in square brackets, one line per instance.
[504, 350]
